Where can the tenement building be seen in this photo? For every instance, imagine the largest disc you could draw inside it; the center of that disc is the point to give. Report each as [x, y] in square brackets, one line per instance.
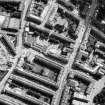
[52, 52]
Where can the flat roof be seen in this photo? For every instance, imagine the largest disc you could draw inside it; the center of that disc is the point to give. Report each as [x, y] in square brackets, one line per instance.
[2, 19]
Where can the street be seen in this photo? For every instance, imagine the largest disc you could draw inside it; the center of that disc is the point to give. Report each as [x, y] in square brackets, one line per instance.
[71, 60]
[19, 48]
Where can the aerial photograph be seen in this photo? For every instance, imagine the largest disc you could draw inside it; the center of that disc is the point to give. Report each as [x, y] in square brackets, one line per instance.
[52, 52]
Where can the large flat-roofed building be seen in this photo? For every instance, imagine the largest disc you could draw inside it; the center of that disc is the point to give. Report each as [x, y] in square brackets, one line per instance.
[2, 19]
[14, 24]
[11, 24]
[38, 11]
